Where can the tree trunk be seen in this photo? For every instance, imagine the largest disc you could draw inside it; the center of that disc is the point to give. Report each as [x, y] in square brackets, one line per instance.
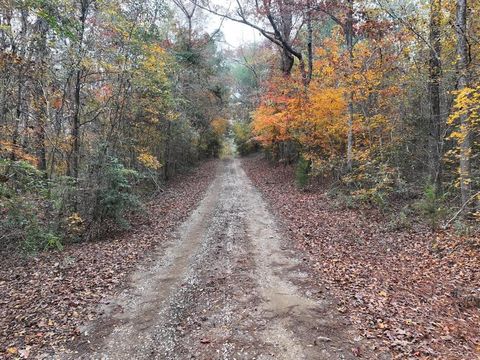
[287, 62]
[18, 114]
[75, 160]
[20, 86]
[349, 41]
[42, 28]
[435, 69]
[166, 152]
[463, 82]
[76, 126]
[41, 151]
[309, 44]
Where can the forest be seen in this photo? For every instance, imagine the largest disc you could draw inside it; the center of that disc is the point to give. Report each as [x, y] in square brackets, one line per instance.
[345, 135]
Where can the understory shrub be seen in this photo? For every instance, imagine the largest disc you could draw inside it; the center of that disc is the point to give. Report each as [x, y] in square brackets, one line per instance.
[39, 214]
[431, 206]
[27, 208]
[302, 172]
[373, 182]
[115, 195]
[242, 135]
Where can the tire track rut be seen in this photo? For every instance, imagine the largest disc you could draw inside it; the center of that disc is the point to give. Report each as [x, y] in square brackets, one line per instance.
[227, 286]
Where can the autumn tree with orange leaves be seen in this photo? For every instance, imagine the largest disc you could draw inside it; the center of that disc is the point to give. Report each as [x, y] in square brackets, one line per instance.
[375, 111]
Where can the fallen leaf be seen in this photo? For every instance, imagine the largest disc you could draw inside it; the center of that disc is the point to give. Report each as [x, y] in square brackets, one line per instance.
[12, 350]
[25, 353]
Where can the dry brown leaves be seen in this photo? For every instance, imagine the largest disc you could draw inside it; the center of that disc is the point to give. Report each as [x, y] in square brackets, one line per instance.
[44, 299]
[415, 291]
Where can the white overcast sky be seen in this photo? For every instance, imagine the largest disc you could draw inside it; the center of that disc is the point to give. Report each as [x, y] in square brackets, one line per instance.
[235, 33]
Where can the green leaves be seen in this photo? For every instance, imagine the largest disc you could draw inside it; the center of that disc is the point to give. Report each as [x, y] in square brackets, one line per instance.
[431, 206]
[61, 22]
[116, 196]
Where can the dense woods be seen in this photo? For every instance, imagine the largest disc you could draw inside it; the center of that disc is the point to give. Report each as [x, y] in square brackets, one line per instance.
[366, 114]
[376, 97]
[99, 99]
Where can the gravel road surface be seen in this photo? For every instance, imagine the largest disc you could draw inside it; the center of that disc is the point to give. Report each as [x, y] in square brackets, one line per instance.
[226, 286]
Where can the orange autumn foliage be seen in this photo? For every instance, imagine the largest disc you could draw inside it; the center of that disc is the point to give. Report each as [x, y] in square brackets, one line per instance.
[219, 126]
[272, 119]
[317, 117]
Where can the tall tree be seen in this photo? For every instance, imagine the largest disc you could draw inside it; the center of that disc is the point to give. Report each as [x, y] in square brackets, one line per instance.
[346, 20]
[83, 11]
[349, 37]
[435, 73]
[463, 63]
[280, 22]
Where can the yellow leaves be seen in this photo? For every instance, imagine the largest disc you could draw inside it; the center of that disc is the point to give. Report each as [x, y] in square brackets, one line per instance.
[75, 218]
[153, 69]
[219, 126]
[327, 102]
[457, 135]
[172, 115]
[465, 121]
[152, 79]
[87, 63]
[323, 122]
[466, 106]
[317, 121]
[464, 176]
[155, 59]
[476, 216]
[149, 161]
[7, 147]
[75, 224]
[271, 120]
[317, 118]
[22, 354]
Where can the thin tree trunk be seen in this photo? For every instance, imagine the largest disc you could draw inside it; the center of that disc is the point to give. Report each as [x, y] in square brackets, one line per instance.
[42, 28]
[41, 151]
[309, 43]
[349, 40]
[75, 161]
[20, 86]
[435, 69]
[166, 165]
[463, 82]
[76, 126]
[18, 114]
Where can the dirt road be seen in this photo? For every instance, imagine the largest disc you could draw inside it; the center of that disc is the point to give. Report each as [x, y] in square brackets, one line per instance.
[227, 286]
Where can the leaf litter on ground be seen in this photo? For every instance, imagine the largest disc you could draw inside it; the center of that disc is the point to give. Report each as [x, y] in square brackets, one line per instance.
[44, 299]
[415, 291]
